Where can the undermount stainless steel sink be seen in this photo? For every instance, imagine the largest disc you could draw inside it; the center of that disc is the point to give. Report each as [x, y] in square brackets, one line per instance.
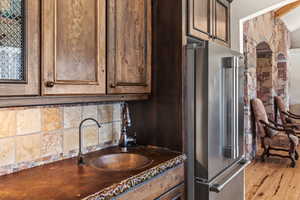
[121, 162]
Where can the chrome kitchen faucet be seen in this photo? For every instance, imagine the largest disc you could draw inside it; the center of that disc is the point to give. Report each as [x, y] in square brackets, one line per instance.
[126, 123]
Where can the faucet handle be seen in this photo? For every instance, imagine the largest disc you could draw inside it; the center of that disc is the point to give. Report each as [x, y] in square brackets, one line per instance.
[126, 115]
[132, 139]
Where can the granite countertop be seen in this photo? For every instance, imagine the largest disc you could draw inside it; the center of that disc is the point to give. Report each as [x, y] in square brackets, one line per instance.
[65, 180]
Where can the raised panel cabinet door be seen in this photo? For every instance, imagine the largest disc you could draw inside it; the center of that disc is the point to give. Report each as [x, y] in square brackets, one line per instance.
[200, 18]
[129, 46]
[176, 193]
[73, 47]
[19, 47]
[222, 22]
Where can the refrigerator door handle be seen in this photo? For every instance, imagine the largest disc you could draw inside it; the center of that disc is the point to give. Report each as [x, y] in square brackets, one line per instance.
[234, 146]
[231, 65]
[218, 187]
[236, 107]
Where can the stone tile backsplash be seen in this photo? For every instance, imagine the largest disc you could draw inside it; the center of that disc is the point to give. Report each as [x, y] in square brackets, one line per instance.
[8, 123]
[33, 136]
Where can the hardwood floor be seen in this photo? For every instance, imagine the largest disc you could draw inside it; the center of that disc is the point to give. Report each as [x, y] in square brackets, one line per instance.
[273, 180]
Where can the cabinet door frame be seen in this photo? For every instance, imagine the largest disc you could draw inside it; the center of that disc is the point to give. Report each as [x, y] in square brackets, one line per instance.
[50, 83]
[192, 29]
[217, 39]
[30, 86]
[113, 85]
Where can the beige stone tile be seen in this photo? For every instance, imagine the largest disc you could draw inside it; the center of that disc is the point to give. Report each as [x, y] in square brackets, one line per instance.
[105, 113]
[105, 133]
[28, 147]
[70, 140]
[90, 135]
[7, 151]
[117, 112]
[8, 123]
[72, 116]
[90, 111]
[52, 119]
[116, 131]
[28, 121]
[51, 144]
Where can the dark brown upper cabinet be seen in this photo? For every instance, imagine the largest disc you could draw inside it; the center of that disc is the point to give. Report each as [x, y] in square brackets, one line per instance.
[200, 18]
[73, 47]
[129, 46]
[222, 22]
[19, 48]
[209, 20]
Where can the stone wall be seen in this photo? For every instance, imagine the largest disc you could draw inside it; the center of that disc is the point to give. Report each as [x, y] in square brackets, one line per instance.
[33, 136]
[264, 76]
[272, 31]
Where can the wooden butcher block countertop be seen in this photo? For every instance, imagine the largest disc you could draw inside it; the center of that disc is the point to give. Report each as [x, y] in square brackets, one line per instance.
[65, 180]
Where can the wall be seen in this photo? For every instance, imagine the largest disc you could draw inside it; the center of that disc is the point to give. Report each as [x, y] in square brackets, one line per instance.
[243, 9]
[296, 39]
[294, 77]
[33, 136]
[264, 28]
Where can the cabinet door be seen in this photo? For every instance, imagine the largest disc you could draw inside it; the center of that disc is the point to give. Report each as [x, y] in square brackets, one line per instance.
[222, 22]
[176, 193]
[73, 47]
[129, 46]
[19, 47]
[199, 18]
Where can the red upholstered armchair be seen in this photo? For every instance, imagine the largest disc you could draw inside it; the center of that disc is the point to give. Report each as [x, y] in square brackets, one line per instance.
[274, 137]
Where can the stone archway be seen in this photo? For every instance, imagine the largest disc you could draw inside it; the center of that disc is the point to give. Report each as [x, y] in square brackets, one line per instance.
[282, 76]
[264, 79]
[272, 31]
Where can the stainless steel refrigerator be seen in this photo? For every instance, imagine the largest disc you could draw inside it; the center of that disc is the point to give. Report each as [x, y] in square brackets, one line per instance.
[216, 156]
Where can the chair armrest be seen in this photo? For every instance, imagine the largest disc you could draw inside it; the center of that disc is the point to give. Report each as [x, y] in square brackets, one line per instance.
[288, 131]
[291, 125]
[292, 114]
[276, 124]
[267, 125]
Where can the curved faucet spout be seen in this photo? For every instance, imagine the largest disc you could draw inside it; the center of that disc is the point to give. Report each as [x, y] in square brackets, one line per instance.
[80, 154]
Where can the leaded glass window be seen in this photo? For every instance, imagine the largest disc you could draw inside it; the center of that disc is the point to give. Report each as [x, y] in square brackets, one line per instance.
[12, 26]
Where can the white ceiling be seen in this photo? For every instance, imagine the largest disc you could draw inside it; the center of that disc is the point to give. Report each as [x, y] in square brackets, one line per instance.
[292, 21]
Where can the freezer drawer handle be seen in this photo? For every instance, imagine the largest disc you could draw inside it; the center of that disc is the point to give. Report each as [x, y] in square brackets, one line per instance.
[219, 187]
